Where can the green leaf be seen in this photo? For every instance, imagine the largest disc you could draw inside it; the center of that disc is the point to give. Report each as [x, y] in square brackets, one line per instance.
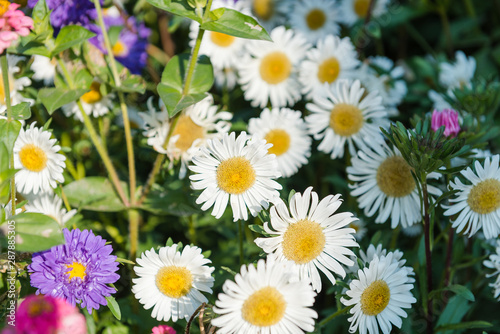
[231, 22]
[94, 193]
[464, 325]
[459, 290]
[29, 48]
[21, 111]
[258, 229]
[170, 202]
[70, 36]
[41, 19]
[121, 260]
[114, 307]
[114, 34]
[55, 98]
[36, 232]
[177, 7]
[10, 131]
[454, 311]
[133, 84]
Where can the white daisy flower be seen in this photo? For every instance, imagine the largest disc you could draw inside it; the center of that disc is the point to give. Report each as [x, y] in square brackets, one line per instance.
[438, 101]
[270, 74]
[52, 206]
[313, 237]
[236, 170]
[223, 50]
[353, 10]
[226, 78]
[316, 19]
[458, 74]
[379, 296]
[346, 115]
[269, 13]
[493, 262]
[263, 299]
[359, 227]
[286, 130]
[171, 281]
[7, 212]
[16, 85]
[134, 117]
[477, 204]
[93, 102]
[156, 125]
[39, 164]
[384, 184]
[333, 58]
[44, 68]
[412, 231]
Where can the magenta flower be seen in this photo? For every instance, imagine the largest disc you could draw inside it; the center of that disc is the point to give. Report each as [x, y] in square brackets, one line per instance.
[163, 329]
[13, 23]
[447, 118]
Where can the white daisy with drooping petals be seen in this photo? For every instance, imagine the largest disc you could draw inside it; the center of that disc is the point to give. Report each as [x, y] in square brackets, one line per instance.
[40, 166]
[383, 183]
[287, 131]
[237, 170]
[458, 74]
[379, 296]
[44, 68]
[172, 281]
[93, 102]
[332, 59]
[264, 299]
[343, 116]
[310, 236]
[268, 73]
[477, 204]
[16, 85]
[353, 10]
[50, 205]
[315, 19]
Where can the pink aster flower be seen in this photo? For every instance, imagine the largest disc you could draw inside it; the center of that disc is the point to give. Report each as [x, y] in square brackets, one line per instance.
[13, 23]
[447, 118]
[163, 329]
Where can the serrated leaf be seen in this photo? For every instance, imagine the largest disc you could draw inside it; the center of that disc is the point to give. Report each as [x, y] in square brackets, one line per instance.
[177, 7]
[94, 193]
[70, 36]
[10, 131]
[36, 232]
[21, 111]
[55, 98]
[231, 22]
[114, 307]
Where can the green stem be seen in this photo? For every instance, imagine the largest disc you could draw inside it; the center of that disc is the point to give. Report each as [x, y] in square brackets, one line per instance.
[123, 105]
[332, 316]
[428, 253]
[240, 233]
[133, 218]
[6, 89]
[447, 31]
[415, 34]
[95, 139]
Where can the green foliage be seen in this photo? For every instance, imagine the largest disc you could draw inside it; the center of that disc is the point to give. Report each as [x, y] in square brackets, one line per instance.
[70, 36]
[94, 193]
[21, 111]
[36, 232]
[9, 130]
[231, 22]
[114, 307]
[55, 98]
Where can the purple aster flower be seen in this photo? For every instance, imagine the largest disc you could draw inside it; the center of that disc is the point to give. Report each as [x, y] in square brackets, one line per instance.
[77, 271]
[130, 48]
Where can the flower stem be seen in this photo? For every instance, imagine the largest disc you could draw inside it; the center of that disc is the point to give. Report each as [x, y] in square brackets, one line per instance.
[133, 219]
[6, 89]
[240, 233]
[95, 139]
[332, 316]
[428, 254]
[123, 105]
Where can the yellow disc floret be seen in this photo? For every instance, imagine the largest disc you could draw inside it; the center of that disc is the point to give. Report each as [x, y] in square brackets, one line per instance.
[375, 298]
[76, 269]
[303, 241]
[484, 197]
[264, 9]
[328, 70]
[33, 158]
[220, 39]
[174, 282]
[265, 307]
[4, 6]
[394, 177]
[119, 49]
[280, 140]
[361, 7]
[275, 68]
[346, 120]
[315, 19]
[235, 175]
[94, 95]
[188, 132]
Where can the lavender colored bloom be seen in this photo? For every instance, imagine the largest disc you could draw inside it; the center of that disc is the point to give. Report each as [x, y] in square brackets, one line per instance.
[77, 271]
[130, 48]
[447, 118]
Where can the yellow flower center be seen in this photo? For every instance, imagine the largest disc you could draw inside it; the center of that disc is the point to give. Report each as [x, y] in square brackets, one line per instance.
[280, 140]
[355, 227]
[264, 9]
[4, 6]
[2, 89]
[119, 49]
[346, 119]
[361, 7]
[235, 175]
[188, 132]
[174, 282]
[329, 70]
[375, 298]
[275, 68]
[303, 241]
[94, 95]
[394, 177]
[484, 197]
[38, 306]
[221, 39]
[76, 269]
[265, 307]
[33, 158]
[315, 19]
